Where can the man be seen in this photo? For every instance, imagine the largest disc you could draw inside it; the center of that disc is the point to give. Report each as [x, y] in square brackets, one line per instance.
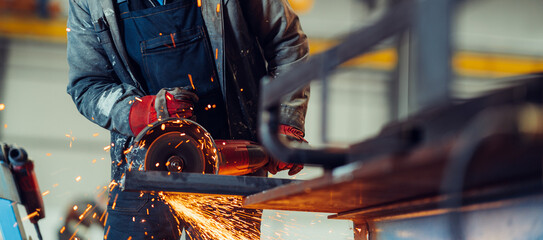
[133, 60]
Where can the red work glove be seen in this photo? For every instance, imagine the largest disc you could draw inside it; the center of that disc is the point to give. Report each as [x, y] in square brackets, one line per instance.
[172, 102]
[275, 165]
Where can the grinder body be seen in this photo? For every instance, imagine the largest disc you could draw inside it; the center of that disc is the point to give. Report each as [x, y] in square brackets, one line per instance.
[240, 157]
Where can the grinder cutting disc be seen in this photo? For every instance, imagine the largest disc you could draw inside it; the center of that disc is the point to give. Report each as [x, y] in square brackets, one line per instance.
[175, 145]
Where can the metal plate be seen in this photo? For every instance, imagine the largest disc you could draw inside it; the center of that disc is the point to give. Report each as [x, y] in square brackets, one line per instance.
[199, 183]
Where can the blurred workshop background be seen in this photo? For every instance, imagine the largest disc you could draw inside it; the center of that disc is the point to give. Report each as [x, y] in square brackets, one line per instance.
[493, 40]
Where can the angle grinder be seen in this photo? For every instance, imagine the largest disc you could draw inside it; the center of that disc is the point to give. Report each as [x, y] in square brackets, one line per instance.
[182, 145]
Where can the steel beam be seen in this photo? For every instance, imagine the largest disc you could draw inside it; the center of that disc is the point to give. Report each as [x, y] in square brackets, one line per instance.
[199, 183]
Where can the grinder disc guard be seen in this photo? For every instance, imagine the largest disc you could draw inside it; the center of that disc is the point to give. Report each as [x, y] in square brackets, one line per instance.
[174, 145]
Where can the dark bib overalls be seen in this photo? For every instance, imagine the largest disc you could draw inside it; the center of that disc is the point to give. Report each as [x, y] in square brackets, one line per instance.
[168, 46]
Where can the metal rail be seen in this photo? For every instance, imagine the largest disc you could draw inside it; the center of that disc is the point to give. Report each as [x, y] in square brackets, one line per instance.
[198, 183]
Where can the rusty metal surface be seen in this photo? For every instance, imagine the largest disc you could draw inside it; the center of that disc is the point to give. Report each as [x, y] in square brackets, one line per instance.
[358, 185]
[381, 186]
[198, 183]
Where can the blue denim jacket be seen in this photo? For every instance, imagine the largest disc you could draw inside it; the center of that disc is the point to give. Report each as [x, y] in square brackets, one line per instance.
[255, 37]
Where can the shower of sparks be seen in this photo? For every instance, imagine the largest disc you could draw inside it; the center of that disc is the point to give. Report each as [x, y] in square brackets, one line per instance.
[215, 217]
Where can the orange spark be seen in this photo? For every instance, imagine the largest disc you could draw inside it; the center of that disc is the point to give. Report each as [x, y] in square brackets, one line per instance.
[72, 138]
[2, 106]
[45, 193]
[78, 178]
[95, 135]
[75, 207]
[107, 148]
[68, 30]
[216, 53]
[5, 126]
[62, 229]
[127, 151]
[191, 83]
[199, 3]
[73, 235]
[93, 160]
[107, 232]
[85, 212]
[29, 216]
[114, 202]
[171, 36]
[55, 185]
[218, 7]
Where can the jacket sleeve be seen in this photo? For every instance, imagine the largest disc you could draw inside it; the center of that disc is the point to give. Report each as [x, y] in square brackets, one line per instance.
[284, 44]
[93, 85]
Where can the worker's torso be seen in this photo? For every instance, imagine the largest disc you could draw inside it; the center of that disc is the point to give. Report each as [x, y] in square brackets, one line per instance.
[168, 46]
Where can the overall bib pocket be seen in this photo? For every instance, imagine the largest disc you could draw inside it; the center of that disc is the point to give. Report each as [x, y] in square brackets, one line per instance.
[185, 52]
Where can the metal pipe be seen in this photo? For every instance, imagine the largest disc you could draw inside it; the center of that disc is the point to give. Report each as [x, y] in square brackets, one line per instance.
[395, 20]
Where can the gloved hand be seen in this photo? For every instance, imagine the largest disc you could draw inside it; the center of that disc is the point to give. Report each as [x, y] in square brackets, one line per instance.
[172, 102]
[275, 165]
